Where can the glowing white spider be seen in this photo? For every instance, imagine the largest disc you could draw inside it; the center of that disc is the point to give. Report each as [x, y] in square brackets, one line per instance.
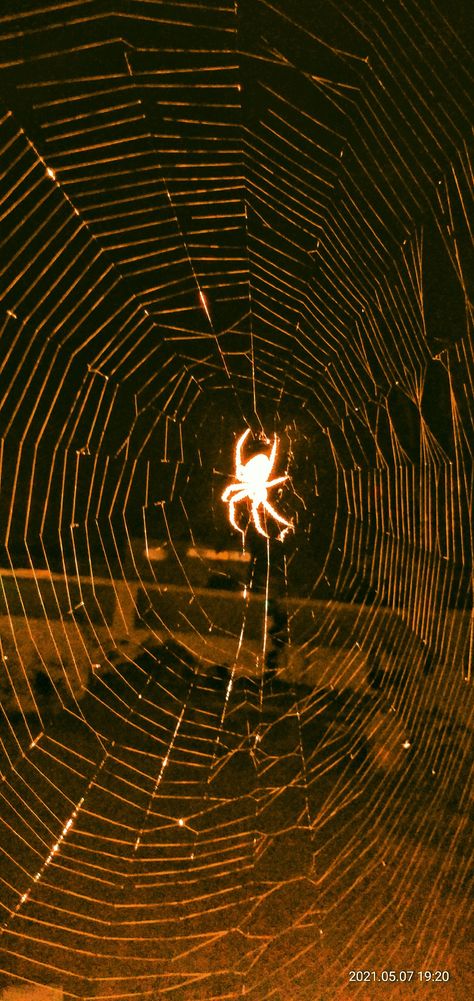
[253, 483]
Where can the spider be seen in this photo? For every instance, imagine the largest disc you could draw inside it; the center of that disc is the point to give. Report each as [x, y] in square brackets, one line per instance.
[253, 483]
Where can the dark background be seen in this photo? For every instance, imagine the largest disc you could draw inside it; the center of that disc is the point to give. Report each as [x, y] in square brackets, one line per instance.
[218, 216]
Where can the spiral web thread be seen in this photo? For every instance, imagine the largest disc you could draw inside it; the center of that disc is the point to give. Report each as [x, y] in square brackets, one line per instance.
[235, 772]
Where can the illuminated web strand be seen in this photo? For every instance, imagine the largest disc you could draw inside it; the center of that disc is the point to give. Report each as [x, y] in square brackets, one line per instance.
[325, 226]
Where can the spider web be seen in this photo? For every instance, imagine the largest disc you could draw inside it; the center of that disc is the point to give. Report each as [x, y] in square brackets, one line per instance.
[235, 769]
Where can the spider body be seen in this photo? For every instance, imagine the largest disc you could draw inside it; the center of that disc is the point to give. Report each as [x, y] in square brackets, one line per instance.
[252, 483]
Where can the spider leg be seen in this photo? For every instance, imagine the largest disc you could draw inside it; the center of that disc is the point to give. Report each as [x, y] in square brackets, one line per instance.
[238, 452]
[257, 522]
[228, 490]
[275, 514]
[272, 483]
[232, 502]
